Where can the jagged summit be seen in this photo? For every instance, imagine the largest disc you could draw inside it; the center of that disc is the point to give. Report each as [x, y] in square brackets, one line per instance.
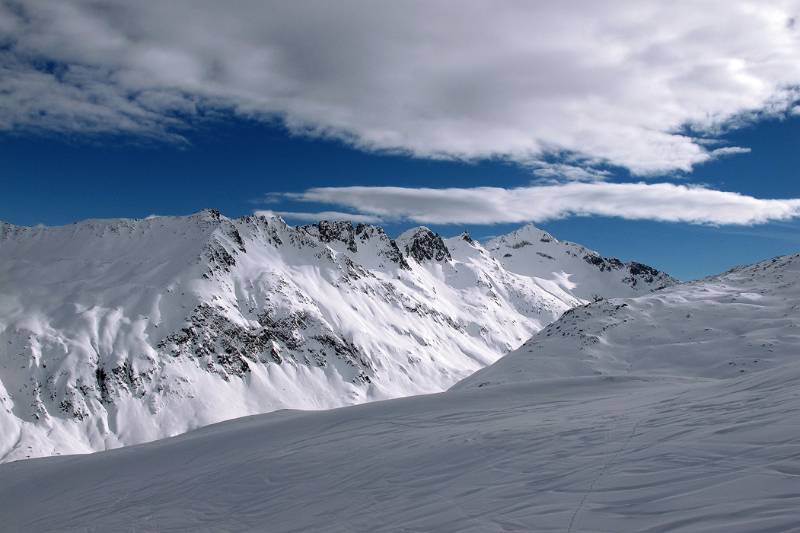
[423, 245]
[465, 236]
[360, 239]
[338, 231]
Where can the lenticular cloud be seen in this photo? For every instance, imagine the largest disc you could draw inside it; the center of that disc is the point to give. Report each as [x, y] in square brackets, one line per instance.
[492, 205]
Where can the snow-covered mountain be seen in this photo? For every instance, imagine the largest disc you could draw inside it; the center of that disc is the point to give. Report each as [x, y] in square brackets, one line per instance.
[744, 320]
[674, 411]
[115, 332]
[530, 251]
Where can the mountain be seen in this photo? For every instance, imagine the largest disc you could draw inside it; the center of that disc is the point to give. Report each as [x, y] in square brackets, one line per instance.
[673, 411]
[742, 321]
[115, 332]
[530, 251]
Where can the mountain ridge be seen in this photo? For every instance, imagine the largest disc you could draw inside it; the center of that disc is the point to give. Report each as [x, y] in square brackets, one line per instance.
[748, 312]
[120, 331]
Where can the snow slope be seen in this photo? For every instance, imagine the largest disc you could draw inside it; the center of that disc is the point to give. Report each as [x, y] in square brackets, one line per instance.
[116, 332]
[672, 411]
[531, 251]
[739, 322]
[589, 454]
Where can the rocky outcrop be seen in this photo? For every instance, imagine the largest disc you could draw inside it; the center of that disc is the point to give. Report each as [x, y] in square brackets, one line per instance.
[423, 245]
[355, 237]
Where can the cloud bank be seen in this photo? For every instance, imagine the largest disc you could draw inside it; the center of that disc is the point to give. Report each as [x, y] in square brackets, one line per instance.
[664, 202]
[613, 82]
[302, 216]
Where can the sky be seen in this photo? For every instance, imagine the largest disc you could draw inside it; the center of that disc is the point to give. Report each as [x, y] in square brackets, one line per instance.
[665, 133]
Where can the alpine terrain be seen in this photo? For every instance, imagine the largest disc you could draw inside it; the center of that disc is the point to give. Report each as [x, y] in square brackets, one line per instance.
[117, 332]
[676, 410]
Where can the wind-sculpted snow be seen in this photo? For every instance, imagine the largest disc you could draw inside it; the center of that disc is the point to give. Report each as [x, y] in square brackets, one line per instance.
[742, 321]
[115, 332]
[587, 454]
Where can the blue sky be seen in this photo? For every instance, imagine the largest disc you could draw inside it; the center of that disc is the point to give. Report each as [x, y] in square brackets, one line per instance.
[666, 136]
[231, 165]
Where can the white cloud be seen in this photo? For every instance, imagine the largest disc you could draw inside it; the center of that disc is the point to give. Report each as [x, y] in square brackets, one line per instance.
[612, 81]
[557, 172]
[303, 216]
[665, 202]
[729, 150]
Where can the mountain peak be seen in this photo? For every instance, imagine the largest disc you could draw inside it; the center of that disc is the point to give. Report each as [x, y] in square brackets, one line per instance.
[333, 231]
[423, 244]
[209, 213]
[533, 231]
[523, 236]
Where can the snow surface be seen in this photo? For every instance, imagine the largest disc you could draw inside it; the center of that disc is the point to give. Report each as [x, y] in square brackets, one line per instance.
[584, 454]
[673, 411]
[531, 251]
[739, 322]
[116, 332]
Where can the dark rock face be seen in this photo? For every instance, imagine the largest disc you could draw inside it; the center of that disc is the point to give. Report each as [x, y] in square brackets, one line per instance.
[394, 255]
[390, 249]
[333, 231]
[327, 231]
[120, 378]
[425, 245]
[221, 249]
[637, 272]
[218, 258]
[638, 269]
[603, 263]
[230, 349]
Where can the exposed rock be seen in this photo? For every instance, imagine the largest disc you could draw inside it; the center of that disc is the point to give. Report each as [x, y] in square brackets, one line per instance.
[603, 263]
[424, 245]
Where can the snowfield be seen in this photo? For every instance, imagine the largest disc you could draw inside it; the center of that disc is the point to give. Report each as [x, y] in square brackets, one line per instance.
[584, 454]
[672, 411]
[116, 332]
[742, 321]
